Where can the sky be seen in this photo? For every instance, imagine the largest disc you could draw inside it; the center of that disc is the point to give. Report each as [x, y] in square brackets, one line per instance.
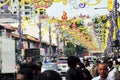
[56, 9]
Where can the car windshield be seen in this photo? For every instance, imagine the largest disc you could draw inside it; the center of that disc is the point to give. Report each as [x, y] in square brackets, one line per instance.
[49, 66]
[62, 60]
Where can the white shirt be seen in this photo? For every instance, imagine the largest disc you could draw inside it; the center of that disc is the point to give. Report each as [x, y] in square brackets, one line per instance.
[98, 78]
[113, 74]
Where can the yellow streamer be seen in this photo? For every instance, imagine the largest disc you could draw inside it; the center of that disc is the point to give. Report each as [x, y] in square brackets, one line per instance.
[118, 22]
[90, 4]
[57, 0]
[5, 3]
[65, 2]
[110, 5]
[23, 26]
[108, 24]
[114, 34]
[48, 1]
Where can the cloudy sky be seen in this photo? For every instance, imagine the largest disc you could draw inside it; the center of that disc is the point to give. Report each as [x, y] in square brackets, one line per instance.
[57, 9]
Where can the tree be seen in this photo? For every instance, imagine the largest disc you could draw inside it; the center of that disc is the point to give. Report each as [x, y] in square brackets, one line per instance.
[73, 50]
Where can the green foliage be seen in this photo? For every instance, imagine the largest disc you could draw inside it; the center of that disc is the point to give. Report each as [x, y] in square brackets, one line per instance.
[71, 50]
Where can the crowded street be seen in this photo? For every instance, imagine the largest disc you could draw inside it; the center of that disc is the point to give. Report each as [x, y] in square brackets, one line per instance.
[59, 39]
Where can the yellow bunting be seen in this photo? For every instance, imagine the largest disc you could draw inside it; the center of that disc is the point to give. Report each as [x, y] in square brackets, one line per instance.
[65, 2]
[34, 1]
[118, 22]
[57, 0]
[103, 17]
[22, 2]
[23, 26]
[108, 24]
[99, 19]
[114, 34]
[110, 5]
[48, 1]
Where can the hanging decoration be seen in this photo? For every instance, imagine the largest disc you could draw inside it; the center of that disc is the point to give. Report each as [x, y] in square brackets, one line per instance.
[110, 5]
[5, 7]
[91, 4]
[82, 5]
[64, 16]
[118, 22]
[48, 1]
[65, 2]
[57, 0]
[5, 3]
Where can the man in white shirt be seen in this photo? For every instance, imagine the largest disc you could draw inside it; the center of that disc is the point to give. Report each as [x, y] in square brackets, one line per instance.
[103, 72]
[112, 71]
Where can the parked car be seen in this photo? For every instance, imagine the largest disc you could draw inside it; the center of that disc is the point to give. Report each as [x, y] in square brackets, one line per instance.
[49, 66]
[62, 65]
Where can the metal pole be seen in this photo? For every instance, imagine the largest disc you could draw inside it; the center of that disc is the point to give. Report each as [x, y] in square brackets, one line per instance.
[19, 31]
[50, 41]
[116, 15]
[40, 37]
[57, 42]
[64, 47]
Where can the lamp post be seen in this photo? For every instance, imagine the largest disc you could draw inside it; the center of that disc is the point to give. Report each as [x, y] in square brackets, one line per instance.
[50, 41]
[20, 32]
[40, 37]
[58, 32]
[116, 16]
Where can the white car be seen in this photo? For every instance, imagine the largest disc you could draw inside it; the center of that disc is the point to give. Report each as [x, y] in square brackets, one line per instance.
[49, 66]
[62, 66]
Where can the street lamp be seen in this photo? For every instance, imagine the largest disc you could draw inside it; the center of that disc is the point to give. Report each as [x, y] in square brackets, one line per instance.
[58, 32]
[50, 41]
[20, 32]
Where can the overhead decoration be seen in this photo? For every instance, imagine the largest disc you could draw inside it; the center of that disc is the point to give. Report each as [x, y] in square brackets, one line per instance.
[118, 22]
[64, 16]
[42, 4]
[110, 5]
[82, 5]
[57, 0]
[48, 1]
[5, 4]
[5, 7]
[65, 2]
[91, 3]
[101, 29]
[37, 3]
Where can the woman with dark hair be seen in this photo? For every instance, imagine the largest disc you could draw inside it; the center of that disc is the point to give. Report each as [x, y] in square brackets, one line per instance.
[86, 74]
[72, 72]
[25, 74]
[50, 75]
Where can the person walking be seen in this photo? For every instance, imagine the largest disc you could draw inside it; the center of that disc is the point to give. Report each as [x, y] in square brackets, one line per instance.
[50, 75]
[72, 73]
[112, 71]
[103, 72]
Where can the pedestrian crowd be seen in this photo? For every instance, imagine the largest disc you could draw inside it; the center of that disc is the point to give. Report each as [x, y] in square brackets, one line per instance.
[105, 69]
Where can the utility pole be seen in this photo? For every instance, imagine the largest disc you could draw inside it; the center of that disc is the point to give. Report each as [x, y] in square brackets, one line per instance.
[20, 32]
[116, 26]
